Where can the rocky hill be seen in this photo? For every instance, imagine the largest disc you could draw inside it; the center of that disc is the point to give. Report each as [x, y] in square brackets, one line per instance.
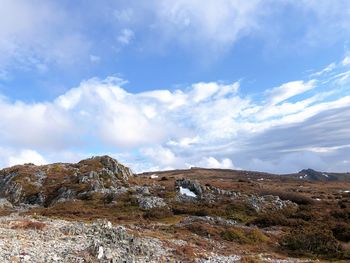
[54, 183]
[97, 210]
[312, 175]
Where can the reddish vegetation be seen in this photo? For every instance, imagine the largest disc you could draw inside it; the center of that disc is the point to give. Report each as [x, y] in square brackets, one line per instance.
[27, 224]
[318, 227]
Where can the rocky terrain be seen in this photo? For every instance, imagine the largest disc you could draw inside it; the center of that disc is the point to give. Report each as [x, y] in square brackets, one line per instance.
[97, 210]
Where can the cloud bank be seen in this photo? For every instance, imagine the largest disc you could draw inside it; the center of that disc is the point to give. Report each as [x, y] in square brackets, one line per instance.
[295, 125]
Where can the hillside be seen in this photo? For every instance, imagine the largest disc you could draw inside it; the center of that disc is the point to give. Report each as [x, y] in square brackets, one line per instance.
[97, 210]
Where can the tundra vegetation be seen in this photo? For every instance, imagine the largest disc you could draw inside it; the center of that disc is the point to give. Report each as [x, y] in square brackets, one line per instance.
[241, 215]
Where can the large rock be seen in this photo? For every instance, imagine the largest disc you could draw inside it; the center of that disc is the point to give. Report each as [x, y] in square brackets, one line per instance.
[151, 202]
[193, 186]
[49, 184]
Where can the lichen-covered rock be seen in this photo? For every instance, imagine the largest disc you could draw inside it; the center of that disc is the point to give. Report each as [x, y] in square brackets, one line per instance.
[220, 259]
[193, 186]
[54, 183]
[4, 203]
[268, 203]
[151, 202]
[214, 220]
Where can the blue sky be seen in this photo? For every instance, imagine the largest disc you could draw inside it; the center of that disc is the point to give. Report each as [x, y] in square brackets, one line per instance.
[260, 85]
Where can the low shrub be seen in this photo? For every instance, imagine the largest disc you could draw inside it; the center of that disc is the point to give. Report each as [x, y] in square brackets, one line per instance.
[341, 214]
[313, 240]
[202, 229]
[158, 213]
[341, 231]
[244, 236]
[239, 211]
[270, 219]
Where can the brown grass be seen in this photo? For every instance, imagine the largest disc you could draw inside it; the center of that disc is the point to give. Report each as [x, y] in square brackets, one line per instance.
[27, 224]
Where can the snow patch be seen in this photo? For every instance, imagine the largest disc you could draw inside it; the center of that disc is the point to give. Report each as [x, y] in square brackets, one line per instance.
[187, 192]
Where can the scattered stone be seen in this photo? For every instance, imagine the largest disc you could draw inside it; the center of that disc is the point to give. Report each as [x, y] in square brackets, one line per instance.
[208, 219]
[220, 259]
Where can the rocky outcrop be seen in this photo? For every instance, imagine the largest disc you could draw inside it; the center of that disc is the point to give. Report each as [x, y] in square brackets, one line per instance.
[151, 202]
[54, 183]
[210, 193]
[193, 186]
[268, 203]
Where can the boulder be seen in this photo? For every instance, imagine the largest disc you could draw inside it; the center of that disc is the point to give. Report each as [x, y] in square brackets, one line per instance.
[151, 202]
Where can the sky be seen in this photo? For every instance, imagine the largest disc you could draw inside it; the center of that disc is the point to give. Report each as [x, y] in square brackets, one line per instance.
[254, 85]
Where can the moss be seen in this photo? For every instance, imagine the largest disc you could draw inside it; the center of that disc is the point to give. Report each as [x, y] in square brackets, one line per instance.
[202, 229]
[240, 212]
[244, 236]
[158, 213]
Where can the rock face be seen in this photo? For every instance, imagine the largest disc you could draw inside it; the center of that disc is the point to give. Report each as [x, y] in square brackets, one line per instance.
[49, 184]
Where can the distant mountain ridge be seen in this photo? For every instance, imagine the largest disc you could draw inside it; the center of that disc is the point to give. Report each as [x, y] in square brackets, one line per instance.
[313, 175]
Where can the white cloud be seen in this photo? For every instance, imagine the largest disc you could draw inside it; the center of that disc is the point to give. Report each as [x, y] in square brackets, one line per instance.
[208, 124]
[346, 61]
[10, 157]
[40, 37]
[211, 162]
[43, 37]
[213, 24]
[27, 156]
[125, 37]
[94, 58]
[289, 90]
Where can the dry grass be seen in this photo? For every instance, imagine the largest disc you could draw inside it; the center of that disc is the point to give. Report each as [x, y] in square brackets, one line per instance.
[250, 259]
[27, 224]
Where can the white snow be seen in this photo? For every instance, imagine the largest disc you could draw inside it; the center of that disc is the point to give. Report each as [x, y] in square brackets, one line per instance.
[154, 176]
[261, 179]
[187, 192]
[325, 175]
[100, 252]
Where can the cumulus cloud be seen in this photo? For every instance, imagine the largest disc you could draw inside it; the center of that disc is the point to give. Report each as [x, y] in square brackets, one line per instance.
[211, 162]
[206, 124]
[27, 156]
[10, 157]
